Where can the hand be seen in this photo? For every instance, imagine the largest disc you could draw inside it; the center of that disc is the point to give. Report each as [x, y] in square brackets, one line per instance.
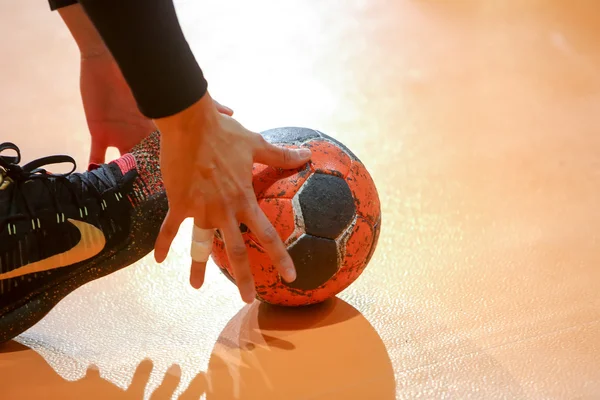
[206, 163]
[113, 117]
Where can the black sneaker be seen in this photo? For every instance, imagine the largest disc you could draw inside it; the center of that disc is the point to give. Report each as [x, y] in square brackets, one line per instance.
[60, 231]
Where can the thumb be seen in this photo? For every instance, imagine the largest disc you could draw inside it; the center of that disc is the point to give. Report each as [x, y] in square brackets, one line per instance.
[97, 152]
[281, 157]
[223, 109]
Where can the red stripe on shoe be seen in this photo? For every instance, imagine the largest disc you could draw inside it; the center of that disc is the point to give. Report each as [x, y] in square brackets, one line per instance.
[126, 163]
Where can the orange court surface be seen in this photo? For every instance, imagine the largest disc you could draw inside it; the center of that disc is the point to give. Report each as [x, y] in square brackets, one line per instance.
[479, 122]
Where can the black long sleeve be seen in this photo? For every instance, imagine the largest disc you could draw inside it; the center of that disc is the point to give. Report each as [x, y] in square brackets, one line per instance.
[146, 41]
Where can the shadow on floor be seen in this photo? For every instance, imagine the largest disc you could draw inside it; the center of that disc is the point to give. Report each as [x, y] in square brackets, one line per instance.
[319, 352]
[325, 351]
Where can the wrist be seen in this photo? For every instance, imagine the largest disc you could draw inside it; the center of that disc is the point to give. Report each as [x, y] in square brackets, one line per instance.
[200, 115]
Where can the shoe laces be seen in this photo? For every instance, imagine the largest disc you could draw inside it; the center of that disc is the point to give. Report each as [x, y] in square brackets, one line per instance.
[95, 182]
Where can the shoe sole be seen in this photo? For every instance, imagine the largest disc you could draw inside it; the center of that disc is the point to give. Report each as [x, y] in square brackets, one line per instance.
[139, 243]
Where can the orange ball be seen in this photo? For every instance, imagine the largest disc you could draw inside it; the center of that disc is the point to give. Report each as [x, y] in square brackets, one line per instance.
[327, 213]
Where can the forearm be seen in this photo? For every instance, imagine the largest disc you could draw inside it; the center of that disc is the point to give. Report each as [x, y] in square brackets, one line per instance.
[83, 31]
[146, 41]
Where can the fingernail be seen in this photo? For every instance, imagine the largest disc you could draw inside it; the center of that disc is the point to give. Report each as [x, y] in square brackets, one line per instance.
[196, 282]
[304, 152]
[290, 274]
[250, 296]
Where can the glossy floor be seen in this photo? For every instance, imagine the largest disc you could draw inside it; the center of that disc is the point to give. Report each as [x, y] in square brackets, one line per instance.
[479, 121]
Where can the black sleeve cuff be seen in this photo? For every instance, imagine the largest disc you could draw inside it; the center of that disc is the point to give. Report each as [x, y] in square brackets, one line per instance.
[56, 4]
[146, 41]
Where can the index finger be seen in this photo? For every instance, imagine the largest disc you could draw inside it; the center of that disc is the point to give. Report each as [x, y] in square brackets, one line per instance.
[167, 233]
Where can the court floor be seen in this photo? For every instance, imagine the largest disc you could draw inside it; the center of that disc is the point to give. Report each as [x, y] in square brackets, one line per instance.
[479, 122]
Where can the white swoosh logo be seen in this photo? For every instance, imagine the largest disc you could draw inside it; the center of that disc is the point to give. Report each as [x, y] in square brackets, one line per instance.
[92, 242]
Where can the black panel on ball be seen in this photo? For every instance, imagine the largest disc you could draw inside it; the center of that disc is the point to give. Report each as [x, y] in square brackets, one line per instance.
[327, 205]
[316, 261]
[340, 145]
[294, 135]
[289, 135]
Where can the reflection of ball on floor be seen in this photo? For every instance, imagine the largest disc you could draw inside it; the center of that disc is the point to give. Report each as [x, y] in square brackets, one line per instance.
[327, 213]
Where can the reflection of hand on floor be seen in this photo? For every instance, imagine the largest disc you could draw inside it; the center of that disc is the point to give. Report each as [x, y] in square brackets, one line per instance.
[141, 378]
[20, 364]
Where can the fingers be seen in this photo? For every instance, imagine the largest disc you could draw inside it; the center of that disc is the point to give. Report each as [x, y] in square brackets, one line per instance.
[167, 233]
[197, 274]
[97, 152]
[238, 258]
[268, 237]
[202, 240]
[280, 157]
